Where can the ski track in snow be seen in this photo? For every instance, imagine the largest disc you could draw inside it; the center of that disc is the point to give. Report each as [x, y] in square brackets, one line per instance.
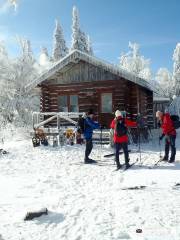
[86, 201]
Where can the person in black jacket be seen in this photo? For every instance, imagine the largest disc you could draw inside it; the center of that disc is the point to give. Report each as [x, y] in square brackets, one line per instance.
[89, 126]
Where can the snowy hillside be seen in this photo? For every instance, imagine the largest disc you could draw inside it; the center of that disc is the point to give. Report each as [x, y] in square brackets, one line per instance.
[86, 202]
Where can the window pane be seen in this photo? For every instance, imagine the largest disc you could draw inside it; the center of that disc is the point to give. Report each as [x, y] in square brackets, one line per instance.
[106, 102]
[74, 103]
[62, 104]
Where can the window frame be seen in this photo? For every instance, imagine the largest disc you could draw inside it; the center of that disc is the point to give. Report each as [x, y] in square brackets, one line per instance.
[68, 101]
[106, 93]
[69, 107]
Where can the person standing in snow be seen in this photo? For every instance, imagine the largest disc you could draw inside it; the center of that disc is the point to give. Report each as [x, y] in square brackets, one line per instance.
[120, 124]
[169, 132]
[89, 126]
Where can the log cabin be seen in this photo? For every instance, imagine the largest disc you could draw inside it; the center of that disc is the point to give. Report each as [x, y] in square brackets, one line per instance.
[79, 82]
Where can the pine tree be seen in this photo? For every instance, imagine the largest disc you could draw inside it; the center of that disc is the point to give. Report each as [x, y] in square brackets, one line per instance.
[75, 30]
[135, 63]
[164, 81]
[59, 45]
[176, 69]
[44, 59]
[83, 46]
[79, 38]
[29, 51]
[89, 45]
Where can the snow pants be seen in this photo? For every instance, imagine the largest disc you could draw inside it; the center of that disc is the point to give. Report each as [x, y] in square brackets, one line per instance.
[118, 147]
[170, 142]
[89, 146]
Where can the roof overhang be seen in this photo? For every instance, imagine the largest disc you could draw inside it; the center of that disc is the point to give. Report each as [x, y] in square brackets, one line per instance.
[161, 99]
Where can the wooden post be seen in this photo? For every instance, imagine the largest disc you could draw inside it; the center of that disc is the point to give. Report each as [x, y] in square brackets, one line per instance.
[138, 99]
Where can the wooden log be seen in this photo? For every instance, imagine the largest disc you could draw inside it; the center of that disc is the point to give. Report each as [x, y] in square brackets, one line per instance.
[44, 122]
[31, 215]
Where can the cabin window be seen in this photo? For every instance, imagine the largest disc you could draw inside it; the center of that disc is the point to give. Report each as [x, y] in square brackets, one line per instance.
[63, 103]
[73, 103]
[106, 103]
[68, 103]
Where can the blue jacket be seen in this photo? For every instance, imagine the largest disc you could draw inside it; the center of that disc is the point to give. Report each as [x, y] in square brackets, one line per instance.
[90, 125]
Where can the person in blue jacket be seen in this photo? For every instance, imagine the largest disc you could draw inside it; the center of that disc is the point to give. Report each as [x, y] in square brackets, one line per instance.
[89, 126]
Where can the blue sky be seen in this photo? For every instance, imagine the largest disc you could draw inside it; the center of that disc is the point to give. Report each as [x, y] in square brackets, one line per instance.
[154, 24]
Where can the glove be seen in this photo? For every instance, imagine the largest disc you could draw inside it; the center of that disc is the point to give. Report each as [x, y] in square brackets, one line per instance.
[161, 137]
[84, 116]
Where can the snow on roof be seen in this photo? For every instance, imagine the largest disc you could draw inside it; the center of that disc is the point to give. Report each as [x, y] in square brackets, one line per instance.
[161, 99]
[75, 56]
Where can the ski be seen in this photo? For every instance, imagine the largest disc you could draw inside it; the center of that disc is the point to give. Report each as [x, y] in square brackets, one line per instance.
[113, 154]
[117, 169]
[130, 165]
[156, 163]
[97, 163]
[135, 187]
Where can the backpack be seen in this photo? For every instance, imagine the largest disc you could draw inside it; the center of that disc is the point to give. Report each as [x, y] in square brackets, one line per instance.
[36, 141]
[81, 125]
[175, 120]
[120, 128]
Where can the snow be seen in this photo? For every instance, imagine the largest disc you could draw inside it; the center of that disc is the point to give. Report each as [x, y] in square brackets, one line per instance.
[86, 201]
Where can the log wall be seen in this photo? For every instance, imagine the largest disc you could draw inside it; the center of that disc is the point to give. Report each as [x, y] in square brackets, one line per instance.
[126, 96]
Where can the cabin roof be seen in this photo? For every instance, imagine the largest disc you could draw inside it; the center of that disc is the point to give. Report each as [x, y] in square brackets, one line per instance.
[161, 99]
[76, 56]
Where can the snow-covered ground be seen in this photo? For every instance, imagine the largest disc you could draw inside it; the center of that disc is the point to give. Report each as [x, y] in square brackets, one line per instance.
[86, 202]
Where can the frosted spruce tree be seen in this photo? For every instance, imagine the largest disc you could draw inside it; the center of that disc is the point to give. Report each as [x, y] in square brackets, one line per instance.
[89, 45]
[164, 82]
[79, 38]
[59, 45]
[176, 69]
[135, 63]
[44, 59]
[75, 30]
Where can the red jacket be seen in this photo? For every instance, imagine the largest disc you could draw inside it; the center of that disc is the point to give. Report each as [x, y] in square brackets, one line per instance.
[167, 125]
[124, 138]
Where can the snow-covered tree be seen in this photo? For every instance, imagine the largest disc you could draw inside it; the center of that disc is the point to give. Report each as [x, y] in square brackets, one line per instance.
[79, 39]
[83, 42]
[15, 103]
[89, 45]
[145, 73]
[176, 69]
[135, 63]
[6, 89]
[59, 45]
[44, 59]
[164, 82]
[75, 29]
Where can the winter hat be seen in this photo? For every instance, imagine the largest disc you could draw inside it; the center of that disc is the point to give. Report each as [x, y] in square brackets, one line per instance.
[118, 113]
[90, 112]
[158, 114]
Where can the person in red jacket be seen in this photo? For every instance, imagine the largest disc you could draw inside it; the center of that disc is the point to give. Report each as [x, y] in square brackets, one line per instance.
[169, 132]
[120, 124]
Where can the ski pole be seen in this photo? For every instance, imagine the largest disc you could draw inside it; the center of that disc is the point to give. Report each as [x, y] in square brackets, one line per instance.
[139, 144]
[139, 121]
[101, 142]
[160, 149]
[160, 156]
